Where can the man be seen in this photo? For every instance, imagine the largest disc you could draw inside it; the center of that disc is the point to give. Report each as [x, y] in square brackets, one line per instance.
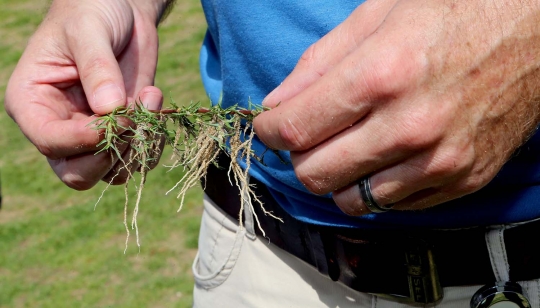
[396, 117]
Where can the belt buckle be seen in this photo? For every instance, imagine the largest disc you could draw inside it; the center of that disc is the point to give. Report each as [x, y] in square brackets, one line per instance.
[424, 284]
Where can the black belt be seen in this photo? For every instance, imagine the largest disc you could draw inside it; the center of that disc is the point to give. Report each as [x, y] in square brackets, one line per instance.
[402, 263]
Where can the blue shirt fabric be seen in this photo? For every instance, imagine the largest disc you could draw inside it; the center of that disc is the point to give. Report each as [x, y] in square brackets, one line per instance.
[251, 46]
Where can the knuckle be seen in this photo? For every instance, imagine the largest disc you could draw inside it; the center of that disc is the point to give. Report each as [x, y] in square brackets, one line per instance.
[466, 186]
[92, 66]
[349, 202]
[309, 177]
[395, 71]
[294, 135]
[384, 77]
[76, 182]
[413, 136]
[309, 182]
[419, 128]
[352, 208]
[474, 181]
[385, 74]
[472, 184]
[452, 162]
[46, 151]
[385, 195]
[310, 58]
[313, 185]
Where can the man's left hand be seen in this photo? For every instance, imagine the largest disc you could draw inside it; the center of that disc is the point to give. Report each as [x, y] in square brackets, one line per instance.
[427, 98]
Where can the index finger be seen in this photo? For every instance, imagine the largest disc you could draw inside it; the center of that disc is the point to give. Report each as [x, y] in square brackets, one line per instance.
[376, 73]
[61, 131]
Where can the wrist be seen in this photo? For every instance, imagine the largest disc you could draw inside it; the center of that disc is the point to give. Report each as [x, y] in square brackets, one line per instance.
[157, 10]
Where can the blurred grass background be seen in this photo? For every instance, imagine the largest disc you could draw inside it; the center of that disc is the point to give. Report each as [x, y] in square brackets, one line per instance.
[55, 249]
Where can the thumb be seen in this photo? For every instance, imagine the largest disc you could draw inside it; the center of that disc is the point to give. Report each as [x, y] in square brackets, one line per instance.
[99, 70]
[151, 98]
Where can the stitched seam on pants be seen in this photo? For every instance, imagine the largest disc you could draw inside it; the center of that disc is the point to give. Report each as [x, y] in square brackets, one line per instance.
[538, 289]
[505, 257]
[492, 258]
[215, 243]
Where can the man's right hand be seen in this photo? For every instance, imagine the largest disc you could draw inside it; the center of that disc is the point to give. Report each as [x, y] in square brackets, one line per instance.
[87, 57]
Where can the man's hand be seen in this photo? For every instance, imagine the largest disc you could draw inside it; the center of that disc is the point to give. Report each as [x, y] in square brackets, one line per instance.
[87, 57]
[428, 98]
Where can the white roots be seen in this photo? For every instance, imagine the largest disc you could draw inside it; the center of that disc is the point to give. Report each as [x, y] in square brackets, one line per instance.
[194, 151]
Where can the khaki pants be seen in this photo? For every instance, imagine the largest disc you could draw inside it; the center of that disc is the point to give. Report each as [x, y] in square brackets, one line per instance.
[234, 268]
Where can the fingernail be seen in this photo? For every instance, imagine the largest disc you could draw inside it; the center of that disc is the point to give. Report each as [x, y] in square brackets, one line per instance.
[107, 95]
[266, 100]
[152, 101]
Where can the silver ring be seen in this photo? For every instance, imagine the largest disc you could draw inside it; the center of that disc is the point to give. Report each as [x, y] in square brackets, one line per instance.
[365, 191]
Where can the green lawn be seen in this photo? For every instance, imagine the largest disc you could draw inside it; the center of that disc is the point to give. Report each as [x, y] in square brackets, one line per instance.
[55, 249]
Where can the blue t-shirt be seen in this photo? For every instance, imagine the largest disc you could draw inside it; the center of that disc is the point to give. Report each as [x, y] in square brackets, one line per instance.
[251, 46]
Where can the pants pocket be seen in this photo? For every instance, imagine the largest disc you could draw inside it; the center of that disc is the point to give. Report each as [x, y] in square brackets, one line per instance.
[220, 243]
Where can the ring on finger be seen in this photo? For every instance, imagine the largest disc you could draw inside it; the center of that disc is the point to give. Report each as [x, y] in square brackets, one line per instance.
[365, 191]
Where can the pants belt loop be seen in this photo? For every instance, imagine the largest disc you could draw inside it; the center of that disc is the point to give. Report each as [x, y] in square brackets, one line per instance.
[317, 254]
[329, 244]
[497, 253]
